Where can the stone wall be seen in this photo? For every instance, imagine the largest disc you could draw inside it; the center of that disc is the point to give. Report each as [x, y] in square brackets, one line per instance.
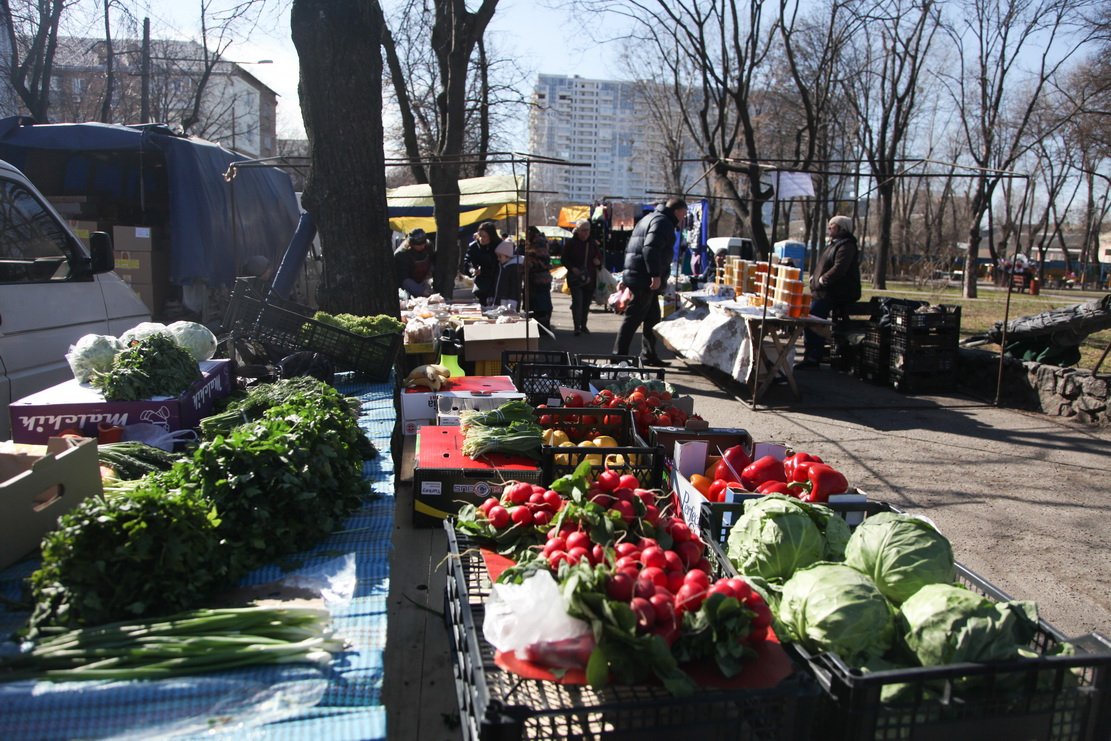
[1061, 392]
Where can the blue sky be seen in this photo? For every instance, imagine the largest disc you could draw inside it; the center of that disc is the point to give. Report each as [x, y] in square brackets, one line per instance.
[542, 39]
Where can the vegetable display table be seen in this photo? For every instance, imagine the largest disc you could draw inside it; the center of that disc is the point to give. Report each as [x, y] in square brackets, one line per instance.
[721, 333]
[296, 701]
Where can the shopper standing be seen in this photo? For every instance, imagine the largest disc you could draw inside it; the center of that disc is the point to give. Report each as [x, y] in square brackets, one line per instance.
[647, 264]
[582, 258]
[538, 267]
[481, 263]
[835, 283]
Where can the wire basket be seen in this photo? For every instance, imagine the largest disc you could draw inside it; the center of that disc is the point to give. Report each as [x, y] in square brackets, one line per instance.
[286, 327]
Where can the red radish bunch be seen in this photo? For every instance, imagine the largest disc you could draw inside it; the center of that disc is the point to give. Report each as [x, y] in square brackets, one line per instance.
[521, 504]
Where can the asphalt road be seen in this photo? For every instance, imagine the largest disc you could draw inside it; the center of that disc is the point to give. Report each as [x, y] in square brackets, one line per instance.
[1024, 498]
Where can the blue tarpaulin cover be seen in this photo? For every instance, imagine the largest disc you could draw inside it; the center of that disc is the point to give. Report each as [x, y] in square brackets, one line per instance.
[150, 176]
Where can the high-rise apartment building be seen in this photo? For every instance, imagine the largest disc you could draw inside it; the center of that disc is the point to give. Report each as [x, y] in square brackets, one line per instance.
[596, 122]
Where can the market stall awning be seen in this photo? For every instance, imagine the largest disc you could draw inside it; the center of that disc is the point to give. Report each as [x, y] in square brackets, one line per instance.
[568, 215]
[490, 198]
[555, 232]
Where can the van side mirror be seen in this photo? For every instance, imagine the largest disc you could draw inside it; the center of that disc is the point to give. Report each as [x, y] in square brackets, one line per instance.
[103, 259]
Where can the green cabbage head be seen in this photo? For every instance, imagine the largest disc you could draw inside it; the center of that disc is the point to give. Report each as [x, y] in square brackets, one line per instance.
[774, 538]
[831, 607]
[948, 624]
[901, 553]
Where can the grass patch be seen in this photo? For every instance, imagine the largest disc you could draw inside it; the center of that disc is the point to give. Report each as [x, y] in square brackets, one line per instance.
[979, 314]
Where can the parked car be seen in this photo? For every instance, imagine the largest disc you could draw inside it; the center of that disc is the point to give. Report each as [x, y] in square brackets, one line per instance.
[52, 291]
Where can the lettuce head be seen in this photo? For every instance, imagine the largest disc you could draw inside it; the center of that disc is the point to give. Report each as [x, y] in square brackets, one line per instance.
[901, 553]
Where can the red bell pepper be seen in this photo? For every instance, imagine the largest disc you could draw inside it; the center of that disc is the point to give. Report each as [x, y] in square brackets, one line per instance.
[768, 468]
[733, 461]
[793, 468]
[824, 481]
[719, 488]
[776, 487]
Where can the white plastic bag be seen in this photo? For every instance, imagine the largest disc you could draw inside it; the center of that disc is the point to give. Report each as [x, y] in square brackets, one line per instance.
[534, 611]
[156, 435]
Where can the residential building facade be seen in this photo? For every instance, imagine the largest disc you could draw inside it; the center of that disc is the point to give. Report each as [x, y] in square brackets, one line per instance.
[235, 108]
[597, 122]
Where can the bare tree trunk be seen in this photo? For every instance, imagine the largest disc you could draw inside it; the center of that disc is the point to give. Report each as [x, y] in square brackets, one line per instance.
[346, 191]
[109, 67]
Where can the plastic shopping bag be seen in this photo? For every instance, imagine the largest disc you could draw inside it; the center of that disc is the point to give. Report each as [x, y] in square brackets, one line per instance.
[620, 299]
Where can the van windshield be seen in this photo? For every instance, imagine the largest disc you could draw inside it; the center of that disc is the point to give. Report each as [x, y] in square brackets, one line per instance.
[34, 246]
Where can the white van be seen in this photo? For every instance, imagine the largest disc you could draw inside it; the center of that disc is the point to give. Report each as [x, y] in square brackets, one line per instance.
[52, 291]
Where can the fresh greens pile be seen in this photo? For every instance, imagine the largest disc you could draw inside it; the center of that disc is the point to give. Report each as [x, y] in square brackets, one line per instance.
[267, 488]
[362, 325]
[510, 428]
[146, 552]
[280, 483]
[184, 643]
[133, 460]
[153, 366]
[302, 390]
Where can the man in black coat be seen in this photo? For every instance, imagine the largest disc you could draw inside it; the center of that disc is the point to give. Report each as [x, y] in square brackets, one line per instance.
[647, 264]
[834, 283]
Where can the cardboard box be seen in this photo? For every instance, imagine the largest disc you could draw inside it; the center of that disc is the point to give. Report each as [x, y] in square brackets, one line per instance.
[420, 406]
[444, 479]
[691, 458]
[486, 341]
[142, 268]
[83, 229]
[132, 238]
[40, 483]
[73, 406]
[152, 296]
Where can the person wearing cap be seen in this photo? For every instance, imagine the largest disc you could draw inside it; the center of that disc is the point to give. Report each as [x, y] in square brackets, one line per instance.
[582, 258]
[413, 264]
[834, 283]
[507, 288]
[647, 264]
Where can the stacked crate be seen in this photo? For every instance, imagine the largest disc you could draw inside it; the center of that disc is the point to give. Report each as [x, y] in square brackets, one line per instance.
[923, 353]
[875, 354]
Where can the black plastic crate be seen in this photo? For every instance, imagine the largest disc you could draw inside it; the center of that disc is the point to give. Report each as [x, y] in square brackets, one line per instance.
[1065, 698]
[923, 360]
[940, 317]
[540, 382]
[285, 327]
[877, 334]
[578, 421]
[606, 360]
[924, 383]
[874, 362]
[604, 377]
[941, 339]
[511, 358]
[496, 704]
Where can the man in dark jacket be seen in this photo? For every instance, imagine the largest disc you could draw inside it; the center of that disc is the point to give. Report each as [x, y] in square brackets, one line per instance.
[834, 283]
[647, 264]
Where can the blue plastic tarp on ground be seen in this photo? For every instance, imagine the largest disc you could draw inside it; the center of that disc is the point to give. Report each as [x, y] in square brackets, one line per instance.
[151, 177]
